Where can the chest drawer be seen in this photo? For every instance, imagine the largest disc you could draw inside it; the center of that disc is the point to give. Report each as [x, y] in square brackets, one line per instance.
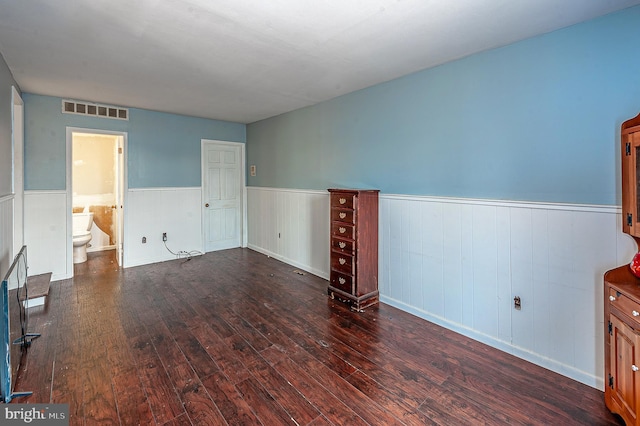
[342, 262]
[625, 304]
[343, 200]
[343, 215]
[342, 246]
[341, 281]
[342, 230]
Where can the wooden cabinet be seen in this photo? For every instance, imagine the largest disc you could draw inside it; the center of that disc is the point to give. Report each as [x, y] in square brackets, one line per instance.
[630, 149]
[354, 247]
[622, 343]
[622, 294]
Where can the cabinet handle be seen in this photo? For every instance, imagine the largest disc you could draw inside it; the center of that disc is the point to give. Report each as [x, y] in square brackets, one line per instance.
[635, 313]
[342, 215]
[634, 368]
[612, 298]
[342, 244]
[343, 200]
[342, 261]
[342, 230]
[342, 280]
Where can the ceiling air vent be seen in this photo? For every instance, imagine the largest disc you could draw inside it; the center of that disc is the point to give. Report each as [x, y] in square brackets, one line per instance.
[96, 110]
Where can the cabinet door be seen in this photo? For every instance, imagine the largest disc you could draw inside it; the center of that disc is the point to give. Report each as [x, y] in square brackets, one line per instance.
[630, 181]
[625, 344]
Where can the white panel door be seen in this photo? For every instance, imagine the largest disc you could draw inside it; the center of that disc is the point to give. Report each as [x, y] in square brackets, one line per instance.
[222, 196]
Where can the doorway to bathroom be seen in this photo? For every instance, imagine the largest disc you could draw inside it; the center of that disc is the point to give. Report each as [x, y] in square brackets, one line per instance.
[96, 194]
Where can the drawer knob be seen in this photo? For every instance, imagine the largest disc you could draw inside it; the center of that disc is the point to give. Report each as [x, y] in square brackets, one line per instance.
[342, 215]
[635, 313]
[634, 368]
[342, 200]
[342, 280]
[342, 261]
[342, 230]
[342, 244]
[612, 298]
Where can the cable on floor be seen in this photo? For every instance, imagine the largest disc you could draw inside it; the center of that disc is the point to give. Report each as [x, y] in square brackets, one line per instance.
[183, 254]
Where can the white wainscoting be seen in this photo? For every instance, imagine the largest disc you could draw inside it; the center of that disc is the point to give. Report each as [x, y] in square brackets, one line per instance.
[148, 212]
[460, 263]
[46, 233]
[290, 225]
[6, 234]
[151, 211]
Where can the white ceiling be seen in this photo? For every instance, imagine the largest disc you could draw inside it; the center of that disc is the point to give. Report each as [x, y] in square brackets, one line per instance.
[245, 60]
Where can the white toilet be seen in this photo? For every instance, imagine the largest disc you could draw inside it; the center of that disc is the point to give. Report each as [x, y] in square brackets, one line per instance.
[81, 235]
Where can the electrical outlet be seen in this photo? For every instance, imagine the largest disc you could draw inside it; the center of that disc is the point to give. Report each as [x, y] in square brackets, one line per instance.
[164, 236]
[144, 240]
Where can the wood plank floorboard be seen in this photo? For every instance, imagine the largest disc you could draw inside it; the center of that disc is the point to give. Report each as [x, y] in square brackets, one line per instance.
[237, 338]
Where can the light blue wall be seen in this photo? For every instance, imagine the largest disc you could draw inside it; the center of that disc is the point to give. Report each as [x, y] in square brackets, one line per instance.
[163, 149]
[537, 120]
[6, 151]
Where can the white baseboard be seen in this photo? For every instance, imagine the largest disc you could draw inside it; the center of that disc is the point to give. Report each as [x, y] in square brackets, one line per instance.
[314, 271]
[564, 369]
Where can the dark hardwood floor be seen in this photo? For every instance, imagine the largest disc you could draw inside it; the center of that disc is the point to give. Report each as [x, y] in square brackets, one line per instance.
[237, 338]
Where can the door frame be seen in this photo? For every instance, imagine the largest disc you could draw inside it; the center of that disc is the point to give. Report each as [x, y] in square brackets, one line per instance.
[17, 167]
[122, 217]
[243, 188]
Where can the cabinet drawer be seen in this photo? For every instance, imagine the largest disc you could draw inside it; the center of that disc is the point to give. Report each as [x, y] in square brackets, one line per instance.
[625, 305]
[342, 262]
[342, 281]
[342, 230]
[342, 246]
[342, 200]
[343, 215]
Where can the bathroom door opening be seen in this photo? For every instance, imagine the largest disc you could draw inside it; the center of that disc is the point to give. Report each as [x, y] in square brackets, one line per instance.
[98, 179]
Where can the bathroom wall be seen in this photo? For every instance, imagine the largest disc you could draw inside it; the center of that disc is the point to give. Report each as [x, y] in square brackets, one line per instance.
[94, 185]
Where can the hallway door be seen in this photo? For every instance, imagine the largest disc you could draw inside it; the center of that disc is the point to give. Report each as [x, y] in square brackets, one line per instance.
[221, 195]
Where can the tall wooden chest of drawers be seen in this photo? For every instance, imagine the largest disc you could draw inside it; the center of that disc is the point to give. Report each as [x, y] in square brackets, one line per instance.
[354, 247]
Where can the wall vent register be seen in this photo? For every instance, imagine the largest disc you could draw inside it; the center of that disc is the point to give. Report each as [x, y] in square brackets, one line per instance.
[95, 110]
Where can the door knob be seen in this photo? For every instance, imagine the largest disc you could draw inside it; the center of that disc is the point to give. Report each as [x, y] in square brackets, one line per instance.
[206, 205]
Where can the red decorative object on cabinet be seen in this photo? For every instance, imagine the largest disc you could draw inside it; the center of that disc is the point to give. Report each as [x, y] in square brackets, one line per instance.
[635, 265]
